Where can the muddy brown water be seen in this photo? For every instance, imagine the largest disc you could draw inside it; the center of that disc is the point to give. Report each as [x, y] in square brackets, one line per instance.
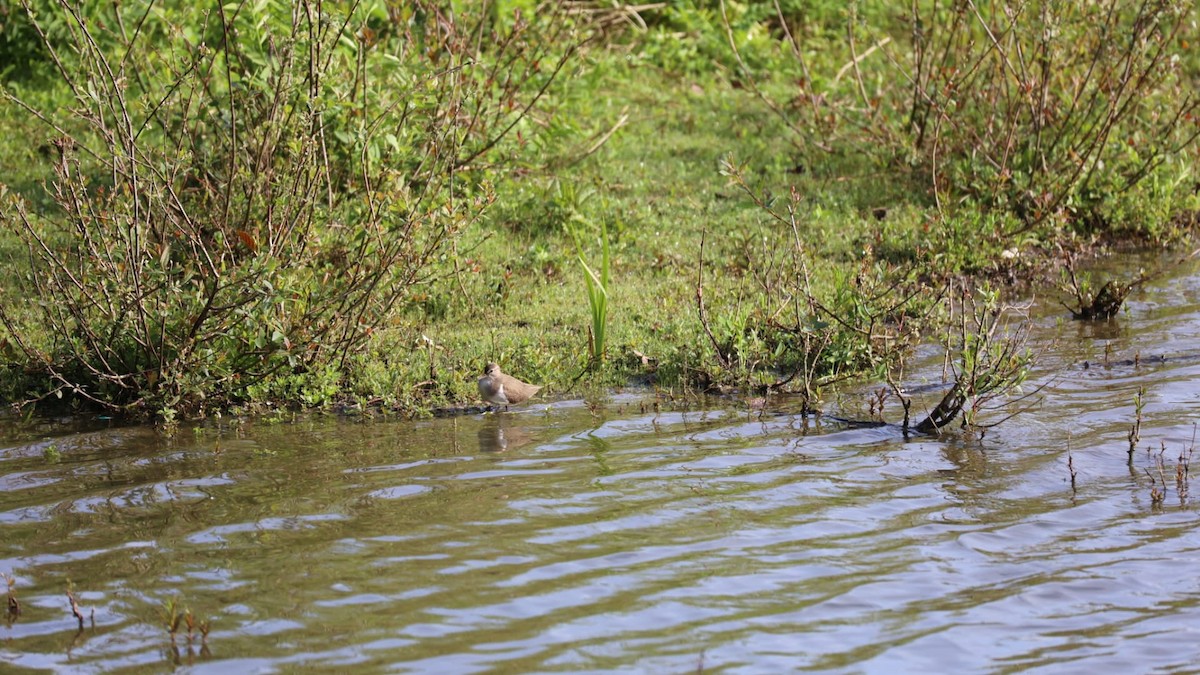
[563, 538]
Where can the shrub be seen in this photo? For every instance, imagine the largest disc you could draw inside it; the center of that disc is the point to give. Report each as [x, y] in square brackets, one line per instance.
[246, 191]
[1020, 107]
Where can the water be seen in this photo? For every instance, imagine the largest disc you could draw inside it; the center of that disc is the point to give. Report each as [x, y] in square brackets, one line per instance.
[625, 538]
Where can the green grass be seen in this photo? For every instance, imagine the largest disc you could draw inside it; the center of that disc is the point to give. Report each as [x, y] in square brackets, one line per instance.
[658, 187]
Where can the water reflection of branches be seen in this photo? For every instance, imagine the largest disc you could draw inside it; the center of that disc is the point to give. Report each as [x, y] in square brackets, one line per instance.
[599, 451]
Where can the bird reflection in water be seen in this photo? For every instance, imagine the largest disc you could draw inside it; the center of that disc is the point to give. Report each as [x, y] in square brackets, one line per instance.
[498, 433]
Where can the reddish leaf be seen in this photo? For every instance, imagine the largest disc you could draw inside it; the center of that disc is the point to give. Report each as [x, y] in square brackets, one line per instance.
[248, 240]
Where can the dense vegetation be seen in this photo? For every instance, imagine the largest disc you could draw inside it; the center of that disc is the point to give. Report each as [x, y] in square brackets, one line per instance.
[254, 203]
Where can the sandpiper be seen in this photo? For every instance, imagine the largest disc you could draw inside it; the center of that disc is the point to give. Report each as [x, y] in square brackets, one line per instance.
[499, 389]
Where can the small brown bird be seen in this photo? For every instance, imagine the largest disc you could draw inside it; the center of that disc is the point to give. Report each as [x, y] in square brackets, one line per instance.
[499, 389]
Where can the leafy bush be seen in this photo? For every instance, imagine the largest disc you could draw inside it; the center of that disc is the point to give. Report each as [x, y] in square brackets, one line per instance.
[22, 51]
[1021, 107]
[1032, 102]
[804, 324]
[245, 191]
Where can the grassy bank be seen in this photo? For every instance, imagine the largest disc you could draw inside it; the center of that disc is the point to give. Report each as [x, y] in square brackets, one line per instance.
[788, 185]
[658, 188]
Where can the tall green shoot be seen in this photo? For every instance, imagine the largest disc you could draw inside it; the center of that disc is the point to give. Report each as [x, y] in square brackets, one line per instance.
[597, 293]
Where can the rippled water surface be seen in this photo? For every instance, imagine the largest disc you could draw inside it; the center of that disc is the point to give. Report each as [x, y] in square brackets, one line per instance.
[562, 537]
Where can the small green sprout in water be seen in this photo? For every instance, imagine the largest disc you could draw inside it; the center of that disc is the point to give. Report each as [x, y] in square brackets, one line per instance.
[1158, 489]
[170, 616]
[1158, 475]
[194, 626]
[51, 454]
[14, 605]
[1071, 468]
[1135, 431]
[75, 605]
[1183, 469]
